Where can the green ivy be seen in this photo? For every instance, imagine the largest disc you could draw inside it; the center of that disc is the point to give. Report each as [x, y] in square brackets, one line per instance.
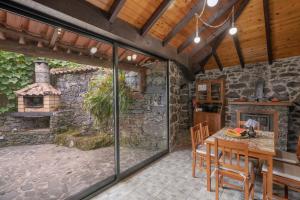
[16, 72]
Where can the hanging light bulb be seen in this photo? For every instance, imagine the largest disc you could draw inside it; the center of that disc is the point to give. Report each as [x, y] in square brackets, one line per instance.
[233, 29]
[129, 58]
[212, 3]
[134, 56]
[93, 50]
[197, 39]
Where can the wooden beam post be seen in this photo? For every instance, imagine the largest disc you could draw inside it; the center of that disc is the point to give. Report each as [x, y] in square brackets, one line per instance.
[155, 16]
[238, 49]
[217, 59]
[211, 20]
[183, 22]
[268, 30]
[115, 9]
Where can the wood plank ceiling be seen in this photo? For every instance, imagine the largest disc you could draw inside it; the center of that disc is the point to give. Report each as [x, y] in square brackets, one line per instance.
[262, 24]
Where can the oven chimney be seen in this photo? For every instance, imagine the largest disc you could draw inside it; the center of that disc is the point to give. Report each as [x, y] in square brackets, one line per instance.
[42, 72]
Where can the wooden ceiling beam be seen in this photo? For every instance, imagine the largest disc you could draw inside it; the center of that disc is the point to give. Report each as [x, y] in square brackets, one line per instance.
[211, 20]
[183, 22]
[155, 16]
[115, 9]
[96, 21]
[217, 59]
[268, 30]
[201, 66]
[238, 49]
[216, 37]
[54, 37]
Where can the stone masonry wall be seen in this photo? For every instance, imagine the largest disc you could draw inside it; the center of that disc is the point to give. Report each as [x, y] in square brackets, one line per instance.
[180, 105]
[73, 87]
[282, 80]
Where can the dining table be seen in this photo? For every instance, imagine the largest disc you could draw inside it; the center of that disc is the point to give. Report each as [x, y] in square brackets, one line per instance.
[262, 147]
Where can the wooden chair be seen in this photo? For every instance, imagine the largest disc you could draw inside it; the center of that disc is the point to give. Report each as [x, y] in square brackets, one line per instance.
[198, 134]
[292, 158]
[233, 162]
[241, 124]
[285, 174]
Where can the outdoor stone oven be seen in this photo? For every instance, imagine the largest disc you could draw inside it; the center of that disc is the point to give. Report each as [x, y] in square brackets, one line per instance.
[40, 96]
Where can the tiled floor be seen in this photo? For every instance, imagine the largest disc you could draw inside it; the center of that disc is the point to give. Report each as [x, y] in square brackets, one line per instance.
[170, 178]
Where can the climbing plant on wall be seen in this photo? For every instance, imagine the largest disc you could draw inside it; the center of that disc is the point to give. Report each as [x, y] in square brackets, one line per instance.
[16, 72]
[99, 99]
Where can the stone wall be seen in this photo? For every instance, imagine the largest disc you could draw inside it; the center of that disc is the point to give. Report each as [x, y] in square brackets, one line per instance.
[282, 80]
[180, 101]
[73, 86]
[144, 125]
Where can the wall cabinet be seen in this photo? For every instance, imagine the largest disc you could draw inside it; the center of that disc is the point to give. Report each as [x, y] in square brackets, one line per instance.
[210, 104]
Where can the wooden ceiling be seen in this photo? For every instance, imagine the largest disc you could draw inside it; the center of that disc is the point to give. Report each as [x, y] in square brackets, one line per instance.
[267, 29]
[30, 37]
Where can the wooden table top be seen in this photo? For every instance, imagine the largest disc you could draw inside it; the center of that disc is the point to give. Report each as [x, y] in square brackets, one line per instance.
[262, 143]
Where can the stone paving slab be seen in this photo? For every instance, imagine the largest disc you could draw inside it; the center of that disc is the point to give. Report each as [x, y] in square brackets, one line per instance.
[49, 172]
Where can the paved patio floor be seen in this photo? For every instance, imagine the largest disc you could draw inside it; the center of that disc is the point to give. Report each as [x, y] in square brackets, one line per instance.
[46, 172]
[170, 179]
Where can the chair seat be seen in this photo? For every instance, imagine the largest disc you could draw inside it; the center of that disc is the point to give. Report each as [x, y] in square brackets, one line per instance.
[286, 157]
[251, 165]
[201, 149]
[285, 170]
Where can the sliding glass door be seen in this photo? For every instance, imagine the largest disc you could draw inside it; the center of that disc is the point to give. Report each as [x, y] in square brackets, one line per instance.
[143, 107]
[76, 113]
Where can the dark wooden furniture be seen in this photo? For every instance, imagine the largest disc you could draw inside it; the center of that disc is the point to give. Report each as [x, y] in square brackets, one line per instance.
[233, 162]
[261, 147]
[210, 104]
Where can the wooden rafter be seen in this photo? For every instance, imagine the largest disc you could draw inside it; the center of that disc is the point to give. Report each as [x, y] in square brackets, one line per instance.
[238, 49]
[115, 9]
[54, 37]
[217, 59]
[183, 22]
[155, 16]
[211, 20]
[98, 22]
[122, 55]
[218, 36]
[268, 30]
[144, 60]
[201, 66]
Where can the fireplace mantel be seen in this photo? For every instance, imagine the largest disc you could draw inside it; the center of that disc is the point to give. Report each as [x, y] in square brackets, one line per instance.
[255, 103]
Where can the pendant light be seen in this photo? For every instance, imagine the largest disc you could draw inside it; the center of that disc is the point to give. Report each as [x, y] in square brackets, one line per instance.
[197, 38]
[233, 29]
[212, 3]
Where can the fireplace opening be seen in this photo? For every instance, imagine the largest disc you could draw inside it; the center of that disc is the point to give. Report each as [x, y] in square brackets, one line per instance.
[265, 120]
[34, 102]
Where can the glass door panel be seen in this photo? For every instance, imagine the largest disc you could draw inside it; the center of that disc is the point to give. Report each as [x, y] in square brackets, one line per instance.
[63, 136]
[143, 107]
[216, 91]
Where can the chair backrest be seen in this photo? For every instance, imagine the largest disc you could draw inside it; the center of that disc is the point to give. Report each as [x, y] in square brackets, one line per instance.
[232, 156]
[242, 125]
[198, 134]
[298, 149]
